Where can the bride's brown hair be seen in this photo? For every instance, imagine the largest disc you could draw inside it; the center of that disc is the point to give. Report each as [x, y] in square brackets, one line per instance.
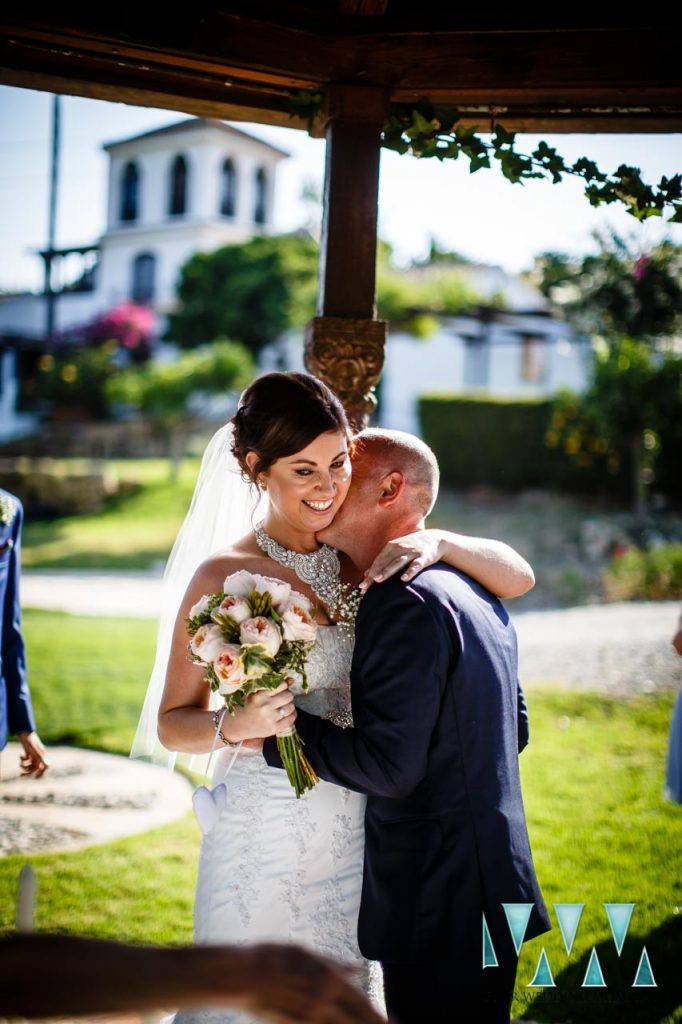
[279, 414]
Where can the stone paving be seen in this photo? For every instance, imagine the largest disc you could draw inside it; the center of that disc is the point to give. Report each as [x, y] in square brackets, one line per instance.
[84, 798]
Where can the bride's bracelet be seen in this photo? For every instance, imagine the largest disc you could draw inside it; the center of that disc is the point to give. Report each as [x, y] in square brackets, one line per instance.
[216, 725]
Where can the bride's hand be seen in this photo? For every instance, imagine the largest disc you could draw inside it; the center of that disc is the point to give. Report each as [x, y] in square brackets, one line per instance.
[265, 713]
[410, 553]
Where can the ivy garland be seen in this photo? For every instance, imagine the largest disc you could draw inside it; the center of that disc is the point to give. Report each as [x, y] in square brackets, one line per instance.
[429, 130]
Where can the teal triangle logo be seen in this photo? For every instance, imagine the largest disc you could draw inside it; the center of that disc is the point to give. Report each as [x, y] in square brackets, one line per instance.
[517, 919]
[645, 976]
[568, 916]
[619, 915]
[489, 956]
[593, 975]
[543, 975]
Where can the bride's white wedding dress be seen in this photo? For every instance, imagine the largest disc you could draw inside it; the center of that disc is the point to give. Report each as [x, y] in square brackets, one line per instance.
[274, 868]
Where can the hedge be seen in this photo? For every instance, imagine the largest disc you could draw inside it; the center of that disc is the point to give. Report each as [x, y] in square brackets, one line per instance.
[500, 443]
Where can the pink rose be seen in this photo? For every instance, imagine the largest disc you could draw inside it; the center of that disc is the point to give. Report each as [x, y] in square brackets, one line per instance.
[297, 622]
[228, 669]
[261, 631]
[235, 607]
[207, 643]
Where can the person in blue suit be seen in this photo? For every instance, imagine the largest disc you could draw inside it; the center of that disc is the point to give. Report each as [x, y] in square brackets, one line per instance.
[439, 721]
[16, 712]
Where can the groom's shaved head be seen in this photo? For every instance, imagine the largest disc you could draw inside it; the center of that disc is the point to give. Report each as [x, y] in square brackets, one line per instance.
[386, 451]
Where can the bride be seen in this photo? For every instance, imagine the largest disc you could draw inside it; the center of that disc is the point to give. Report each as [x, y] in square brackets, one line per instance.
[271, 867]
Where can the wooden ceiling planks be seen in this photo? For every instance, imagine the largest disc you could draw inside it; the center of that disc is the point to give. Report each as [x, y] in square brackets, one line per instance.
[218, 61]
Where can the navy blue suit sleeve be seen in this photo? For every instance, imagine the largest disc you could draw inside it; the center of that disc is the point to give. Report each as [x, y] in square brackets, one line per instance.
[19, 709]
[397, 678]
[522, 718]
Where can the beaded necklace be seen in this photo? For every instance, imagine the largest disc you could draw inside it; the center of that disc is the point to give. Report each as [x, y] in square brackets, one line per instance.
[321, 570]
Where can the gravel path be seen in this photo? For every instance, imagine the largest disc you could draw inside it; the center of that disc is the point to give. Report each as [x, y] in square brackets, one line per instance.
[620, 649]
[616, 648]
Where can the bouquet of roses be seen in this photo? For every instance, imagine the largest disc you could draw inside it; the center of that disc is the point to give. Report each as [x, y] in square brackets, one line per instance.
[250, 636]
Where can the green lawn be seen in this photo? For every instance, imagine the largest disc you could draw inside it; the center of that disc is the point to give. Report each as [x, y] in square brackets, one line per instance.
[592, 778]
[135, 531]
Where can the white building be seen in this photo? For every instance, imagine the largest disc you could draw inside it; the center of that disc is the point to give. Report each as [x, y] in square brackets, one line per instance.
[189, 187]
[521, 352]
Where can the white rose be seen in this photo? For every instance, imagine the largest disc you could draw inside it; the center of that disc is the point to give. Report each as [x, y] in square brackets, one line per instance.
[261, 631]
[229, 669]
[207, 643]
[302, 600]
[298, 623]
[239, 584]
[235, 607]
[297, 685]
[200, 607]
[279, 591]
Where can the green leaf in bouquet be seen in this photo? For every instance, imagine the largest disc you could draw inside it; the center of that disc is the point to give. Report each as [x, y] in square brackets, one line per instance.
[191, 656]
[255, 660]
[212, 678]
[228, 627]
[268, 681]
[204, 618]
[234, 700]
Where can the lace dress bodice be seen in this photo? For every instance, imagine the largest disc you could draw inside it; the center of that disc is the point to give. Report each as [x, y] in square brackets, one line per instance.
[328, 672]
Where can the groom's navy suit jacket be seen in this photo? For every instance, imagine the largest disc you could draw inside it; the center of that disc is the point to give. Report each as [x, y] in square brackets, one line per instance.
[16, 713]
[439, 720]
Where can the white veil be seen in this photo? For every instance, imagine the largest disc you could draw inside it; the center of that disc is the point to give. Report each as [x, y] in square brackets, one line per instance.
[222, 510]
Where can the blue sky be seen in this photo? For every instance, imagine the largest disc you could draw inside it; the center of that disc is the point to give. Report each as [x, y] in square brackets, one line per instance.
[481, 215]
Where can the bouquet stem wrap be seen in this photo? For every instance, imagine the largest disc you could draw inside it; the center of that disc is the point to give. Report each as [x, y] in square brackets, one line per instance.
[300, 772]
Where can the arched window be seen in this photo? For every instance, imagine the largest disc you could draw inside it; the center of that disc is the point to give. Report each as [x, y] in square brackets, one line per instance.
[130, 183]
[178, 187]
[144, 274]
[228, 189]
[259, 204]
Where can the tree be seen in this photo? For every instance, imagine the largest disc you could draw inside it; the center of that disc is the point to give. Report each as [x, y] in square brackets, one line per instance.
[249, 292]
[630, 302]
[621, 289]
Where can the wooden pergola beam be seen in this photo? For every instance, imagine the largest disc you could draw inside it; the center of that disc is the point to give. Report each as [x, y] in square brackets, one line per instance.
[243, 68]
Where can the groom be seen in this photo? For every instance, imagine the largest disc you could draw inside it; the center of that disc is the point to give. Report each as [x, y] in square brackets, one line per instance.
[439, 720]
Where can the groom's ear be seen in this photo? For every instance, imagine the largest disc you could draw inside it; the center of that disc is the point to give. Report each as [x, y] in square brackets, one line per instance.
[391, 488]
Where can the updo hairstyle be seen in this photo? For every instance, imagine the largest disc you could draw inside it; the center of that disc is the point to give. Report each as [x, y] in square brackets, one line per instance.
[280, 414]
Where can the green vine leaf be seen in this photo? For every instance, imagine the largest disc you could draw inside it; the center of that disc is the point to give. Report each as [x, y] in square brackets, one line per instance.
[426, 130]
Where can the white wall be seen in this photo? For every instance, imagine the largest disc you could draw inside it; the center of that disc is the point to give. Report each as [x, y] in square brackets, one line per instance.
[437, 364]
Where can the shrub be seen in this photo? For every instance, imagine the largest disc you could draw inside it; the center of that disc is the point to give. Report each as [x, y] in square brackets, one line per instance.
[162, 390]
[505, 444]
[654, 575]
[74, 382]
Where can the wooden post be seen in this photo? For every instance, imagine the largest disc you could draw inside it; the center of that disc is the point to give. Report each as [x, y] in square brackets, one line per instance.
[345, 342]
